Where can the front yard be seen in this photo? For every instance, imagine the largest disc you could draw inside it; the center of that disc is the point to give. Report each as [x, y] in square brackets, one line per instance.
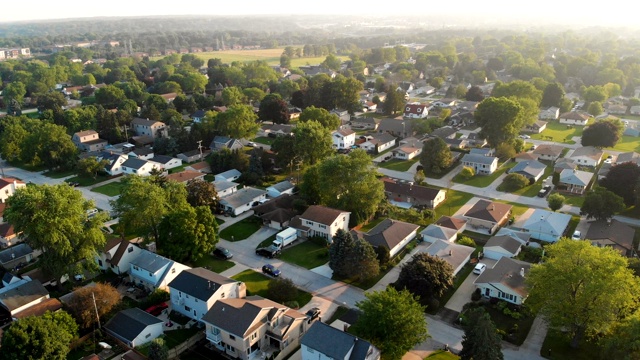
[513, 328]
[482, 181]
[398, 165]
[258, 284]
[454, 201]
[87, 181]
[308, 254]
[533, 190]
[560, 133]
[110, 189]
[627, 143]
[242, 229]
[212, 263]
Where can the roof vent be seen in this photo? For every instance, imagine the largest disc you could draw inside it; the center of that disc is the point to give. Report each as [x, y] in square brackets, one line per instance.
[522, 272]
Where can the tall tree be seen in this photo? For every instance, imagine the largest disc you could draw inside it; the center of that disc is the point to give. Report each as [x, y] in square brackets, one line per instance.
[312, 142]
[238, 122]
[582, 288]
[555, 201]
[188, 233]
[436, 155]
[53, 218]
[202, 193]
[325, 118]
[481, 340]
[88, 300]
[90, 167]
[622, 342]
[394, 102]
[14, 91]
[552, 95]
[425, 276]
[474, 94]
[391, 320]
[39, 337]
[622, 180]
[604, 133]
[601, 204]
[273, 108]
[500, 119]
[232, 95]
[110, 96]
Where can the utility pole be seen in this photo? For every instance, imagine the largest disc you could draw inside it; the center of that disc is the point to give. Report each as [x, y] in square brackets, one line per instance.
[96, 308]
[200, 148]
[126, 136]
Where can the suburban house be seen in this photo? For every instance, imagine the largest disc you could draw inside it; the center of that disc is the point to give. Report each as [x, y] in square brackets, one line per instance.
[475, 139]
[241, 327]
[631, 156]
[283, 187]
[546, 225]
[185, 176]
[537, 127]
[193, 155]
[324, 342]
[343, 139]
[406, 152]
[617, 109]
[574, 181]
[117, 256]
[139, 167]
[270, 129]
[167, 162]
[201, 166]
[444, 103]
[501, 246]
[505, 281]
[143, 141]
[548, 152]
[587, 156]
[459, 143]
[378, 143]
[134, 327]
[393, 235]
[416, 195]
[242, 200]
[88, 140]
[482, 165]
[416, 111]
[445, 132]
[455, 255]
[152, 128]
[433, 233]
[8, 236]
[564, 163]
[401, 128]
[194, 291]
[532, 170]
[525, 156]
[198, 115]
[169, 97]
[612, 233]
[456, 224]
[365, 123]
[16, 255]
[228, 175]
[483, 151]
[8, 187]
[574, 118]
[551, 113]
[153, 271]
[22, 297]
[321, 221]
[142, 153]
[222, 142]
[487, 216]
[225, 188]
[369, 106]
[277, 212]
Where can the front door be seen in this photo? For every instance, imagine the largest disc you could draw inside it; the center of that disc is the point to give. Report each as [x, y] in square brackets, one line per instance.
[487, 292]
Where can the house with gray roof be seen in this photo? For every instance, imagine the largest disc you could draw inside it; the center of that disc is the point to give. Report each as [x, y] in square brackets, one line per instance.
[283, 187]
[115, 162]
[134, 327]
[563, 164]
[614, 234]
[117, 255]
[445, 132]
[321, 221]
[502, 245]
[455, 255]
[242, 327]
[194, 291]
[365, 123]
[587, 156]
[323, 341]
[483, 151]
[482, 165]
[153, 271]
[547, 225]
[146, 127]
[487, 216]
[242, 200]
[505, 281]
[142, 153]
[229, 175]
[225, 188]
[401, 128]
[378, 143]
[277, 212]
[16, 255]
[433, 233]
[393, 235]
[223, 142]
[574, 181]
[631, 156]
[167, 162]
[21, 294]
[548, 152]
[574, 118]
[532, 170]
[537, 127]
[133, 166]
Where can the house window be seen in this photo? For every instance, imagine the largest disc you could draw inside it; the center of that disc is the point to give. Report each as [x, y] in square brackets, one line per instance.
[230, 348]
[186, 308]
[254, 335]
[136, 268]
[150, 274]
[232, 337]
[309, 222]
[222, 296]
[310, 350]
[99, 262]
[173, 271]
[148, 336]
[323, 226]
[130, 249]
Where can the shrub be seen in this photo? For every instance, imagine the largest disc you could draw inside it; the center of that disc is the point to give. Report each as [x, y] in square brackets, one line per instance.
[513, 182]
[282, 290]
[467, 172]
[467, 241]
[476, 295]
[433, 303]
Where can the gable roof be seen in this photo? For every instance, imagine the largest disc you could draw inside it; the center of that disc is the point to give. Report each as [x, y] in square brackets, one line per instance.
[389, 233]
[627, 157]
[505, 242]
[199, 283]
[162, 159]
[531, 168]
[23, 294]
[85, 133]
[322, 214]
[150, 261]
[282, 186]
[549, 150]
[8, 181]
[507, 272]
[396, 125]
[489, 210]
[334, 343]
[123, 245]
[549, 222]
[184, 176]
[526, 156]
[222, 185]
[129, 323]
[438, 232]
[451, 222]
[15, 252]
[575, 115]
[229, 173]
[417, 109]
[146, 122]
[614, 231]
[453, 254]
[382, 138]
[143, 151]
[345, 132]
[415, 191]
[242, 197]
[134, 163]
[444, 132]
[575, 177]
[479, 159]
[6, 230]
[367, 120]
[588, 151]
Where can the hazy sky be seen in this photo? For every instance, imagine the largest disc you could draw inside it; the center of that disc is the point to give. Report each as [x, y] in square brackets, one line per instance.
[611, 12]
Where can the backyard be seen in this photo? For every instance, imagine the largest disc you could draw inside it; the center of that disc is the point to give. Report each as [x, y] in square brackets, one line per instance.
[398, 165]
[242, 229]
[454, 201]
[560, 133]
[627, 143]
[212, 263]
[110, 189]
[309, 254]
[264, 140]
[482, 181]
[532, 190]
[258, 284]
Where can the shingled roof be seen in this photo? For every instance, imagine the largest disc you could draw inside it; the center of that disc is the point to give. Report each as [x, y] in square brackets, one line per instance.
[488, 211]
[199, 283]
[389, 233]
[322, 214]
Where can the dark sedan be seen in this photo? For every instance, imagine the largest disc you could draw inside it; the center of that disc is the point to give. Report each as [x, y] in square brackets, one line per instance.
[271, 270]
[222, 253]
[268, 252]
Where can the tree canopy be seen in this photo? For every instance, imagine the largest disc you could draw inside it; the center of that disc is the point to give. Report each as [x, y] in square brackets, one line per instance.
[622, 180]
[83, 307]
[312, 142]
[436, 155]
[481, 340]
[604, 133]
[188, 233]
[500, 118]
[601, 204]
[352, 258]
[425, 276]
[325, 118]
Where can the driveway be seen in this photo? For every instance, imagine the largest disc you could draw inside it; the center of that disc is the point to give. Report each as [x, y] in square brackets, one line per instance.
[463, 294]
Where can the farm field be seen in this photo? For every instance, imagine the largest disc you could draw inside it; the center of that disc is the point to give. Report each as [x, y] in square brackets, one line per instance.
[271, 56]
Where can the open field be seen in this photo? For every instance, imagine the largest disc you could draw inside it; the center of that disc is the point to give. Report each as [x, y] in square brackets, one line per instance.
[271, 56]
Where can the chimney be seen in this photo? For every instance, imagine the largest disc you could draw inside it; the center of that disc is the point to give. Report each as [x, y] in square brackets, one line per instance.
[493, 207]
[450, 252]
[522, 272]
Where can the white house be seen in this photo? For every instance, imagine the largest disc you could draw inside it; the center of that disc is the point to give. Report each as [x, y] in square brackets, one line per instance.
[482, 165]
[416, 111]
[406, 152]
[134, 327]
[393, 235]
[194, 291]
[505, 281]
[547, 225]
[587, 156]
[379, 143]
[551, 113]
[322, 221]
[433, 233]
[167, 162]
[500, 246]
[242, 200]
[8, 187]
[117, 256]
[115, 162]
[139, 167]
[324, 342]
[225, 188]
[283, 187]
[574, 118]
[146, 127]
[154, 271]
[229, 175]
[343, 139]
[548, 152]
[455, 255]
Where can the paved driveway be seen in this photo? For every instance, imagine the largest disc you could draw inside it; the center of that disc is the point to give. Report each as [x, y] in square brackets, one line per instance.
[463, 294]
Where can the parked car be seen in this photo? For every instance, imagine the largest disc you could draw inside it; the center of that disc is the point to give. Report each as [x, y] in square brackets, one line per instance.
[251, 144]
[544, 191]
[576, 235]
[479, 269]
[270, 270]
[222, 253]
[525, 137]
[313, 314]
[268, 252]
[74, 183]
[157, 309]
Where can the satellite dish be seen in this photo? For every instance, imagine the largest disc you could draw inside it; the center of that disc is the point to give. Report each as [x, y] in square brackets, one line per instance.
[104, 345]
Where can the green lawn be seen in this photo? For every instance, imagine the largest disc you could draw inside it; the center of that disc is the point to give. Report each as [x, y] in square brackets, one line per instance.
[518, 209]
[454, 201]
[212, 263]
[59, 174]
[560, 349]
[174, 338]
[110, 189]
[271, 56]
[442, 355]
[532, 190]
[507, 323]
[482, 181]
[258, 284]
[242, 229]
[264, 140]
[559, 133]
[307, 254]
[627, 143]
[88, 181]
[573, 200]
[398, 165]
